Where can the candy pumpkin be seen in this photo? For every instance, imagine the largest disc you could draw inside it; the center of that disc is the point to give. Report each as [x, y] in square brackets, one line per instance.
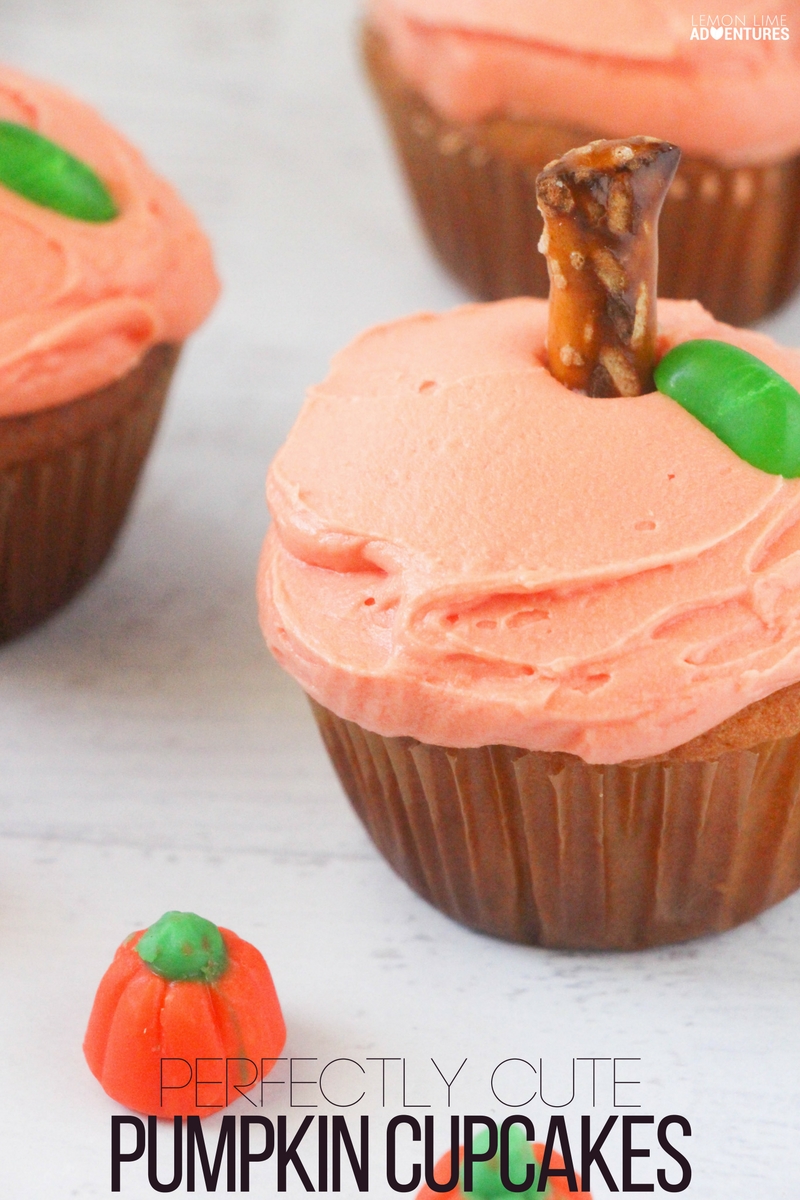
[185, 1019]
[486, 1184]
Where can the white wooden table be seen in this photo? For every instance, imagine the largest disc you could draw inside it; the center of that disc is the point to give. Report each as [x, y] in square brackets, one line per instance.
[154, 757]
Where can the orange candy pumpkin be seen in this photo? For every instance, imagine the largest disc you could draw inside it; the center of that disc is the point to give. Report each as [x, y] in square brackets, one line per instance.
[556, 1187]
[185, 1019]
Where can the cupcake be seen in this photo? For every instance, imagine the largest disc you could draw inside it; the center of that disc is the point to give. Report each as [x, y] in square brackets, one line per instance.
[551, 632]
[480, 95]
[106, 274]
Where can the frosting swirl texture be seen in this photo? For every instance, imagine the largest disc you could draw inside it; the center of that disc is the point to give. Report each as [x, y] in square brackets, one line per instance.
[464, 551]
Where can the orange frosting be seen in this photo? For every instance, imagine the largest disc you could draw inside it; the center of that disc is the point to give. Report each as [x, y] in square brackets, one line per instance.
[81, 302]
[610, 68]
[464, 551]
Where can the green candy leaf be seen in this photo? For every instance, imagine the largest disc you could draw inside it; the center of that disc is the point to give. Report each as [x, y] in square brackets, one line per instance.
[750, 407]
[486, 1182]
[43, 172]
[181, 945]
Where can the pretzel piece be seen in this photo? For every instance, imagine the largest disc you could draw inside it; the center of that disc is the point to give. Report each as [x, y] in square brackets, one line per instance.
[600, 205]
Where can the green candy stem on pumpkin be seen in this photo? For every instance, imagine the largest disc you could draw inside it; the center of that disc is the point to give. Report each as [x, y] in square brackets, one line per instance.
[183, 946]
[486, 1181]
[750, 407]
[51, 177]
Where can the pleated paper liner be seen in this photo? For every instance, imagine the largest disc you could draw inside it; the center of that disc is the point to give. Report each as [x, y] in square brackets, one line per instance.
[729, 237]
[552, 851]
[67, 476]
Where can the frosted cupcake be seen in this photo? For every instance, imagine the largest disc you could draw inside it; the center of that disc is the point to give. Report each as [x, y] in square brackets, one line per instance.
[480, 94]
[552, 638]
[106, 274]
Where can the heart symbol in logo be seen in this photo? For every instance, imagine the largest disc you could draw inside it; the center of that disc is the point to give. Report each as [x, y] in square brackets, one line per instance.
[717, 33]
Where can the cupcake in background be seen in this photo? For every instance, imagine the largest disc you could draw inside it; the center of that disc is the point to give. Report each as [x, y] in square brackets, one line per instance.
[481, 94]
[105, 273]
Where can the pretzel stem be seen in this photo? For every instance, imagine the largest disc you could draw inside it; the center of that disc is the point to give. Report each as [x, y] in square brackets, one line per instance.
[601, 205]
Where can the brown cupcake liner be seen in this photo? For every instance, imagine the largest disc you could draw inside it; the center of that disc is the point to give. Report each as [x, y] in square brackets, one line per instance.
[67, 476]
[549, 850]
[729, 237]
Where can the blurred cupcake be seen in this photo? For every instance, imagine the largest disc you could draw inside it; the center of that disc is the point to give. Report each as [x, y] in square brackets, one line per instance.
[481, 94]
[105, 274]
[550, 625]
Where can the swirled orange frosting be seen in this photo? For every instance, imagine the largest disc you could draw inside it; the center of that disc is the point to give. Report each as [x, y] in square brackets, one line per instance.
[464, 551]
[80, 302]
[609, 68]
